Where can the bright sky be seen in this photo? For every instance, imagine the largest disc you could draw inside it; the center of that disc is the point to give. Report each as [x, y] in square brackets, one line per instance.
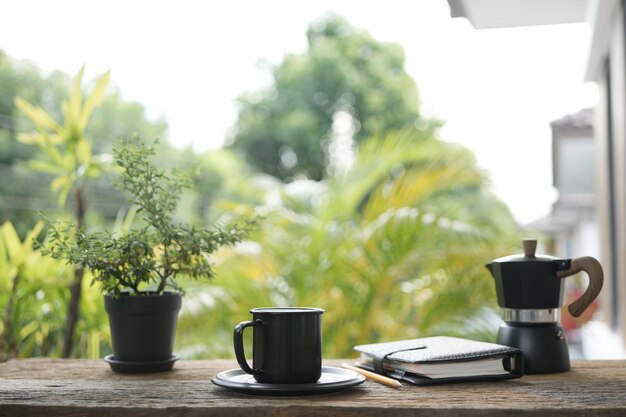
[497, 89]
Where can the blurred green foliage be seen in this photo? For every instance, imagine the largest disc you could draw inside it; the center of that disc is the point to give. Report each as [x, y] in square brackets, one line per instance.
[156, 253]
[392, 247]
[285, 130]
[24, 191]
[67, 154]
[34, 299]
[65, 148]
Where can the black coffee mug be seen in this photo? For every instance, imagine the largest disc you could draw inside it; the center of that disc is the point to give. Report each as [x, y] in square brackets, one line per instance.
[286, 347]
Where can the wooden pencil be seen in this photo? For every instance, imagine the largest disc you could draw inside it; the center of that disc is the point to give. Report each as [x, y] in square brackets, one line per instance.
[374, 376]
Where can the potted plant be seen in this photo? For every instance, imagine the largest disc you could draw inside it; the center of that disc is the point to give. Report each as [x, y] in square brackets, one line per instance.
[138, 269]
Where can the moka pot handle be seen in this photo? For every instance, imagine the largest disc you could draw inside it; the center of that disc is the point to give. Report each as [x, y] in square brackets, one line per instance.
[596, 277]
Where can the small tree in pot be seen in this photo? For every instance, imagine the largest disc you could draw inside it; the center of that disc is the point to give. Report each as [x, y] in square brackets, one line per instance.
[138, 270]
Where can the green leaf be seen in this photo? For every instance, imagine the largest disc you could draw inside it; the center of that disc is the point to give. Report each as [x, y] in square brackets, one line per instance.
[128, 218]
[59, 183]
[38, 116]
[29, 138]
[63, 195]
[12, 241]
[55, 139]
[65, 108]
[92, 171]
[28, 329]
[4, 263]
[69, 162]
[32, 235]
[94, 99]
[44, 166]
[53, 153]
[83, 152]
[73, 108]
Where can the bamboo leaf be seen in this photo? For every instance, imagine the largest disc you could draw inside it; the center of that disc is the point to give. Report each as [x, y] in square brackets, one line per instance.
[65, 108]
[44, 166]
[69, 162]
[32, 235]
[94, 99]
[124, 220]
[28, 329]
[38, 116]
[29, 138]
[58, 183]
[73, 107]
[3, 259]
[12, 241]
[55, 139]
[63, 193]
[92, 171]
[83, 152]
[53, 153]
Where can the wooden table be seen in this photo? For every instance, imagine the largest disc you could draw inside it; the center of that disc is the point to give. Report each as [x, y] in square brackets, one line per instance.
[37, 387]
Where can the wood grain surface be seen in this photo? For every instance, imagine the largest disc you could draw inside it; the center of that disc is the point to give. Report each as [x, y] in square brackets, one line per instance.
[72, 388]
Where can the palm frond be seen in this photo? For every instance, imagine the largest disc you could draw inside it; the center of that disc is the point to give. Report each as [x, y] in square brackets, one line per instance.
[394, 248]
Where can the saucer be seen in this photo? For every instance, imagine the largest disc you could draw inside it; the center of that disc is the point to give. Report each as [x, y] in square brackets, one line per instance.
[129, 367]
[332, 380]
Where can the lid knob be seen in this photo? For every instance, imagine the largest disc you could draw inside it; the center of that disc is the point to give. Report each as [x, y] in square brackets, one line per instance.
[530, 246]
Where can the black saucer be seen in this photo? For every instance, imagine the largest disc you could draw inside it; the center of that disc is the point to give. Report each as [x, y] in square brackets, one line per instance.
[332, 380]
[126, 367]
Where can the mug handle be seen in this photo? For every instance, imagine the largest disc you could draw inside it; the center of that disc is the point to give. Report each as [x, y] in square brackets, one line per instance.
[238, 342]
[596, 278]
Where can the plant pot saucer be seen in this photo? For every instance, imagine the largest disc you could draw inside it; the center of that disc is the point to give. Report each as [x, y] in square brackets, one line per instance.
[129, 367]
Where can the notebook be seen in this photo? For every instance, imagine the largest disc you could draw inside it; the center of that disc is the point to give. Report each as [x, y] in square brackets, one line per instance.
[440, 359]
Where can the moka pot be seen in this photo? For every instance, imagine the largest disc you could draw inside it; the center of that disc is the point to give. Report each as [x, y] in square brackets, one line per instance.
[529, 289]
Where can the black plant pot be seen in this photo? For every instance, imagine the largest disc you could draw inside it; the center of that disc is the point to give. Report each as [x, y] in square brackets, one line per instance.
[143, 328]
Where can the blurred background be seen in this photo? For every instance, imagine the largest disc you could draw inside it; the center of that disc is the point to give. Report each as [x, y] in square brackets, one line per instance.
[391, 149]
